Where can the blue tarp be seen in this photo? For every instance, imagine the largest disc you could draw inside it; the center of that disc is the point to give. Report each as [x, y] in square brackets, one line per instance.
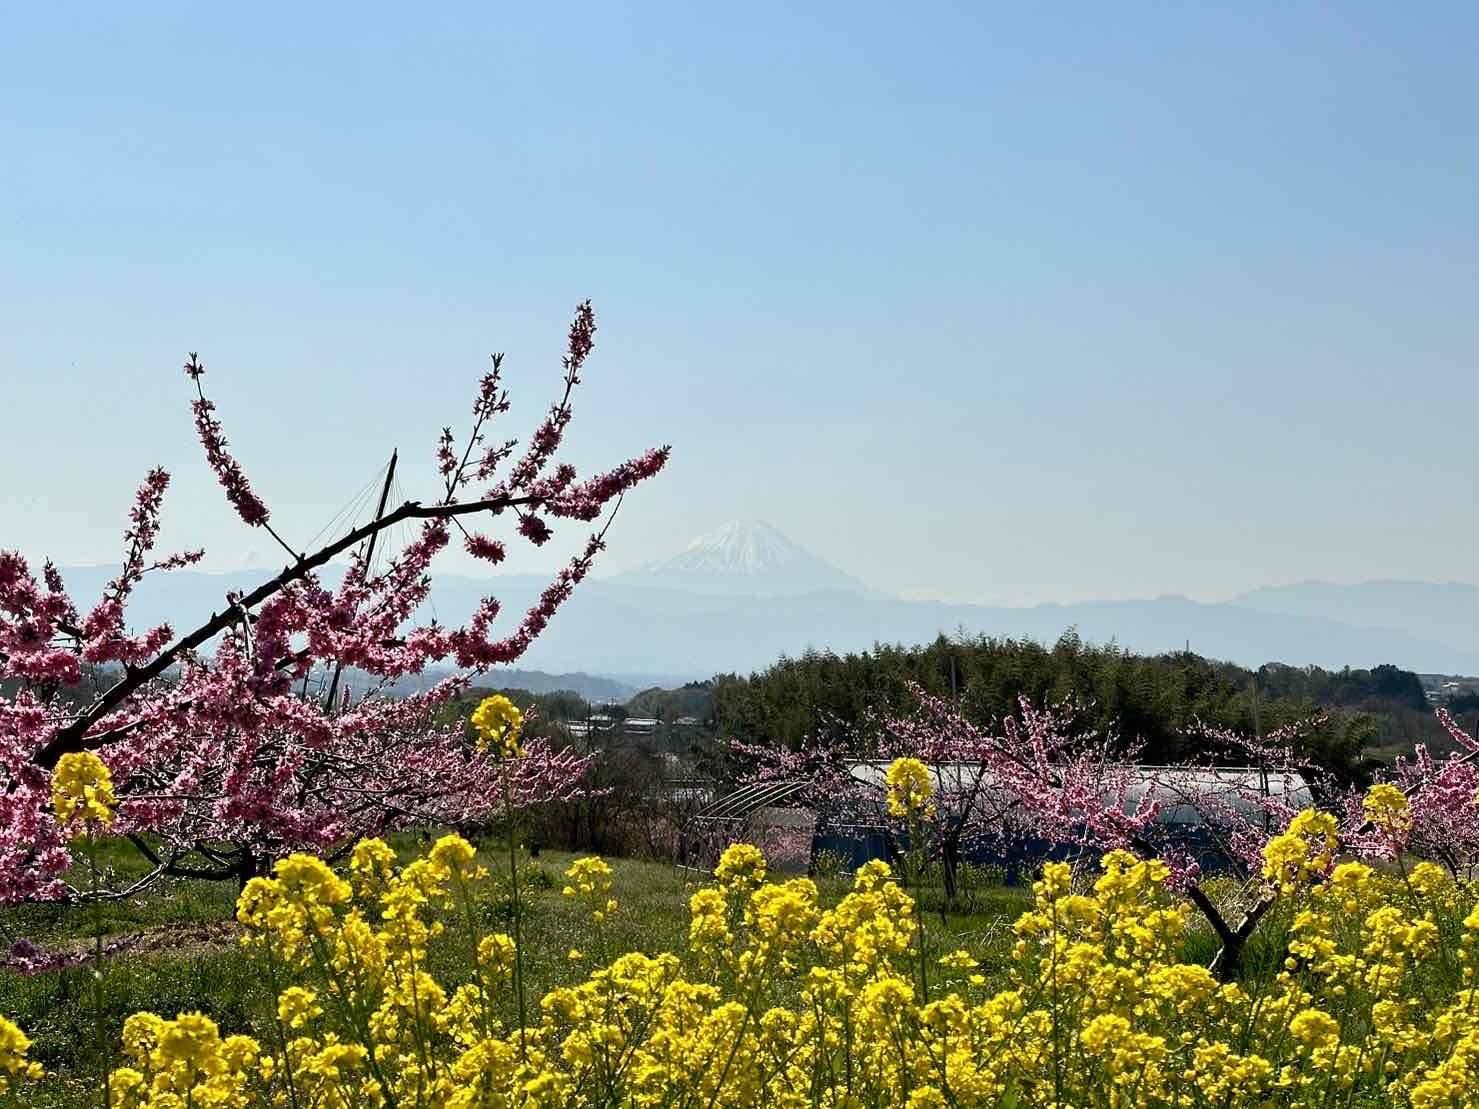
[1020, 859]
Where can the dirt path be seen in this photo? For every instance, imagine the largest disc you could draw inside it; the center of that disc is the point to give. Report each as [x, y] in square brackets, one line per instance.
[178, 940]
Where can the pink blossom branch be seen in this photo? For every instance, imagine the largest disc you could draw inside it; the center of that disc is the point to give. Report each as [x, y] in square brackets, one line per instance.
[72, 737]
[217, 757]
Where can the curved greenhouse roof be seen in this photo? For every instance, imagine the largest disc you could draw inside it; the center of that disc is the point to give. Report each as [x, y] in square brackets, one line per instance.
[1239, 788]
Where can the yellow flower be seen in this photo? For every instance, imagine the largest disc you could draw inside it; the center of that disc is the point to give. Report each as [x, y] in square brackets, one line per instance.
[590, 878]
[1304, 851]
[803, 1006]
[1104, 1033]
[741, 866]
[498, 721]
[1314, 1028]
[190, 1038]
[927, 1097]
[457, 856]
[496, 952]
[297, 1006]
[909, 789]
[370, 864]
[1387, 808]
[13, 1047]
[588, 875]
[82, 789]
[959, 960]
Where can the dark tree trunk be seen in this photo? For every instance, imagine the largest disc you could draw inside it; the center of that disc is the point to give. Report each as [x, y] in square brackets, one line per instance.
[949, 862]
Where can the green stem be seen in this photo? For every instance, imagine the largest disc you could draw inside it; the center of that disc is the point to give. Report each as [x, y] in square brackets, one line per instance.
[750, 1006]
[513, 871]
[282, 1035]
[916, 854]
[99, 1019]
[465, 896]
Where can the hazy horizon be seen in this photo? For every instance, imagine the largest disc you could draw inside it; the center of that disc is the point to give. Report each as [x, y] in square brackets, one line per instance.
[998, 306]
[477, 572]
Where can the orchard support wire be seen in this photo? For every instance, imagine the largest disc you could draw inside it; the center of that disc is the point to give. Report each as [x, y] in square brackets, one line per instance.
[729, 819]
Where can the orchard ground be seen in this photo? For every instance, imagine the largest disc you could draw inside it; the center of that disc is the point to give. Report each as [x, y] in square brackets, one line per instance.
[180, 948]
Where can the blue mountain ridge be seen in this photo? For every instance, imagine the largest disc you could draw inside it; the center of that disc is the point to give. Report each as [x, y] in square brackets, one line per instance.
[636, 631]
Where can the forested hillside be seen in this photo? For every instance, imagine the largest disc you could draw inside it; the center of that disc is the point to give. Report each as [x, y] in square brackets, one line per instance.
[1158, 700]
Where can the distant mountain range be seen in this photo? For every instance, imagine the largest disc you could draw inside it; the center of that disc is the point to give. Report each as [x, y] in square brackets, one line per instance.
[739, 598]
[1446, 613]
[595, 688]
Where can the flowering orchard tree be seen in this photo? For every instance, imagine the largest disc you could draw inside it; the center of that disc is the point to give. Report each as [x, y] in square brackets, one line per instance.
[1443, 822]
[1036, 780]
[979, 779]
[1041, 785]
[220, 760]
[1089, 792]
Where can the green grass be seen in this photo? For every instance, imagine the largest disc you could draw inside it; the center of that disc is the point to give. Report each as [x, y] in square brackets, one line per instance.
[191, 962]
[169, 902]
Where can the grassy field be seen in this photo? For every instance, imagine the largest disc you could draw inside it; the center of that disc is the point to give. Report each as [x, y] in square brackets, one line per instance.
[183, 954]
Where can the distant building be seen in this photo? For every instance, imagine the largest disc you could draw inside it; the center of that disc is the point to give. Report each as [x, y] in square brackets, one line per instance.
[1448, 691]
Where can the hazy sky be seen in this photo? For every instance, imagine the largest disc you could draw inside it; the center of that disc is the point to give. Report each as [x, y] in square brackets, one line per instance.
[975, 301]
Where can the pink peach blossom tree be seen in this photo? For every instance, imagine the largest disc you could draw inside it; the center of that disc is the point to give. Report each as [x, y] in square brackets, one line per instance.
[1037, 783]
[221, 759]
[1043, 781]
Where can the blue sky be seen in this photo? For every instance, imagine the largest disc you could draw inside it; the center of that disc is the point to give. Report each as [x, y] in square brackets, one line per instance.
[989, 303]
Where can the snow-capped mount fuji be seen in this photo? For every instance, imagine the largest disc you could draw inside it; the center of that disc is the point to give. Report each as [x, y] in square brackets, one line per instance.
[746, 557]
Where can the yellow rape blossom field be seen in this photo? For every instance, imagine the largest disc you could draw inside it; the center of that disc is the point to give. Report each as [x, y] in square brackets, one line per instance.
[780, 1000]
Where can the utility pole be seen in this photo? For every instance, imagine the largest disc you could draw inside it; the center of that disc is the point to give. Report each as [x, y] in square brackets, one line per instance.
[369, 554]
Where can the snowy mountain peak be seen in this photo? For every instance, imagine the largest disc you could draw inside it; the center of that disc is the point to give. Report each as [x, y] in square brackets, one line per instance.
[743, 556]
[743, 547]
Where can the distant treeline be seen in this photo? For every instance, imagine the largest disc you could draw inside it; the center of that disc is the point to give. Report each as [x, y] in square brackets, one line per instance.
[1157, 700]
